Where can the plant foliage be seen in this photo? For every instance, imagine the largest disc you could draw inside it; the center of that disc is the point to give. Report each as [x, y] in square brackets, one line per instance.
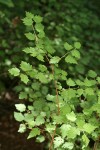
[62, 109]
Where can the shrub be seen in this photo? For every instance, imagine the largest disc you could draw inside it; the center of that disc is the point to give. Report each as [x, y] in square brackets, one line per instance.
[61, 109]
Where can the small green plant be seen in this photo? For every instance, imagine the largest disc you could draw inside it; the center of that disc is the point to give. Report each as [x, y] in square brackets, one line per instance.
[63, 110]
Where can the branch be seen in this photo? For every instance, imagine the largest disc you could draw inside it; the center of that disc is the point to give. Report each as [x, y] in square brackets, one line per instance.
[57, 101]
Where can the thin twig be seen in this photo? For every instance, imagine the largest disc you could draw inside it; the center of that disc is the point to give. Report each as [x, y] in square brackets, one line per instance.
[64, 55]
[55, 83]
[52, 138]
[57, 101]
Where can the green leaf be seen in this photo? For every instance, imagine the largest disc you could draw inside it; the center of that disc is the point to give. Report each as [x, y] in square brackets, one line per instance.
[80, 92]
[89, 128]
[39, 27]
[25, 66]
[14, 71]
[58, 141]
[98, 99]
[85, 140]
[30, 107]
[40, 139]
[72, 133]
[52, 106]
[70, 59]
[40, 57]
[31, 124]
[41, 34]
[50, 97]
[42, 78]
[89, 91]
[36, 86]
[67, 46]
[50, 127]
[20, 107]
[42, 68]
[92, 74]
[68, 145]
[43, 114]
[65, 109]
[30, 36]
[28, 117]
[39, 104]
[38, 19]
[18, 116]
[71, 93]
[29, 15]
[24, 78]
[39, 120]
[64, 128]
[96, 108]
[89, 83]
[79, 82]
[71, 116]
[70, 82]
[27, 21]
[77, 45]
[54, 60]
[22, 128]
[49, 48]
[80, 122]
[68, 94]
[76, 53]
[98, 79]
[29, 50]
[34, 132]
[23, 95]
[59, 119]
